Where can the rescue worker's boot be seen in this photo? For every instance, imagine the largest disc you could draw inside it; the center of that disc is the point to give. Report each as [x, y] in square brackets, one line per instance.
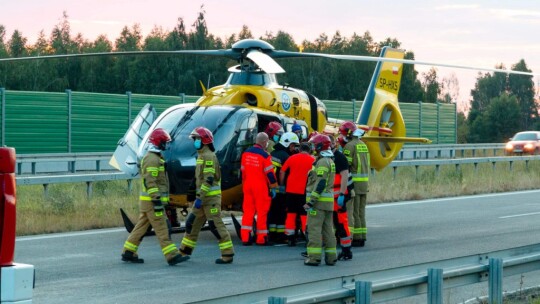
[266, 242]
[250, 241]
[310, 262]
[282, 238]
[331, 263]
[345, 254]
[225, 259]
[130, 256]
[272, 236]
[179, 258]
[291, 240]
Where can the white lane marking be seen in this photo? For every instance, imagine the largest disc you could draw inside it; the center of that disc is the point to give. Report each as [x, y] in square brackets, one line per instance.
[518, 215]
[67, 234]
[442, 199]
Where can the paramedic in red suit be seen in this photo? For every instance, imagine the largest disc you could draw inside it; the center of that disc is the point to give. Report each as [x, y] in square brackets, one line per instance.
[259, 186]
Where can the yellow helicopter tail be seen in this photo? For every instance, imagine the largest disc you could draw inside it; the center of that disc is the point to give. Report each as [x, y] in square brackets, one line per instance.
[380, 115]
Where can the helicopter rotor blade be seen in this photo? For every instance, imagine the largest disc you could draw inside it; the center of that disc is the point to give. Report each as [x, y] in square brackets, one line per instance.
[221, 53]
[265, 62]
[288, 54]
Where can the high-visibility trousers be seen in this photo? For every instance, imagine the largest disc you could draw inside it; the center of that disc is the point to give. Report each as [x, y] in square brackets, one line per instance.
[356, 209]
[320, 226]
[210, 211]
[159, 223]
[256, 202]
[341, 224]
[295, 209]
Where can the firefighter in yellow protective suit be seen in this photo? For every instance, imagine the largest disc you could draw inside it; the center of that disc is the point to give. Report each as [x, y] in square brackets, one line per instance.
[207, 205]
[358, 158]
[154, 196]
[320, 204]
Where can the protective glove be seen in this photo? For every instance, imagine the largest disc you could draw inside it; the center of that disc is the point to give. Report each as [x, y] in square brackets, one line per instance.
[281, 189]
[198, 203]
[341, 200]
[308, 207]
[158, 207]
[352, 193]
[273, 192]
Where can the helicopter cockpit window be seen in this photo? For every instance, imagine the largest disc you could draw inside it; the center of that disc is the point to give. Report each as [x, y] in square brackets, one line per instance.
[167, 122]
[246, 136]
[182, 121]
[247, 131]
[140, 125]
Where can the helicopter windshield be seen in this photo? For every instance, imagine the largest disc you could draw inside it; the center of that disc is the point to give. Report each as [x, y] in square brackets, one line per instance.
[251, 78]
[181, 121]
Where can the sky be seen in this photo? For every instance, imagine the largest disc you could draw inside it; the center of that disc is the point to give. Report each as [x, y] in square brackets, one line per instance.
[480, 33]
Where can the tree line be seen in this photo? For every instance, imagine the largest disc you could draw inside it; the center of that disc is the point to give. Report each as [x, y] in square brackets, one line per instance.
[325, 78]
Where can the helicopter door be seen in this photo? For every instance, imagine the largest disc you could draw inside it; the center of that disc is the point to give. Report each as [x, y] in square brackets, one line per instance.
[125, 156]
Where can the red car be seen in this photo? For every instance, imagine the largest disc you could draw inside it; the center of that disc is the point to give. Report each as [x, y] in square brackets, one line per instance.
[524, 143]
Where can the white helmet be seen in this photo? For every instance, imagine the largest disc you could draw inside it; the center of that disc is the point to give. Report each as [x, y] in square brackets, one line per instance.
[287, 138]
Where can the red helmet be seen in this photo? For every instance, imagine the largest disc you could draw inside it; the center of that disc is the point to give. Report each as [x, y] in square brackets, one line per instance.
[273, 128]
[347, 128]
[320, 142]
[312, 134]
[159, 137]
[206, 135]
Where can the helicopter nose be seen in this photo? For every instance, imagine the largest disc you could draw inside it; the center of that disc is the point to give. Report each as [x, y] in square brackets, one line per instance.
[181, 174]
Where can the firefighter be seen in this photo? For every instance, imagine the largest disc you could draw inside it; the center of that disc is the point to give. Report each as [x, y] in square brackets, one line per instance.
[153, 197]
[296, 169]
[207, 205]
[259, 185]
[341, 196]
[278, 211]
[274, 130]
[320, 204]
[358, 158]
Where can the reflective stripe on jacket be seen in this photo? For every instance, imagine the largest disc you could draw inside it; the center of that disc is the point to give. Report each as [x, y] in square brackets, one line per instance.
[324, 169]
[357, 155]
[155, 182]
[207, 169]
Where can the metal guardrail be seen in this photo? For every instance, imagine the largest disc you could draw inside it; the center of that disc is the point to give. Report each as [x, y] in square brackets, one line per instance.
[88, 178]
[397, 283]
[461, 161]
[448, 150]
[63, 162]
